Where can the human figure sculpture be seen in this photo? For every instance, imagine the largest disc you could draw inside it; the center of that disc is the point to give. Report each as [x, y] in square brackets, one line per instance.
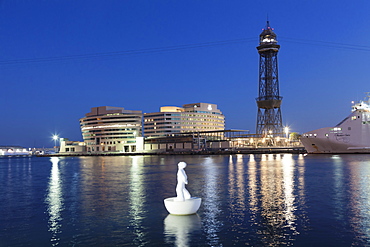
[183, 203]
[181, 192]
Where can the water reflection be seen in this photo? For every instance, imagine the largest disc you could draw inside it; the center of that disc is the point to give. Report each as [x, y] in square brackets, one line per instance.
[255, 200]
[339, 188]
[54, 201]
[180, 228]
[137, 199]
[288, 186]
[301, 194]
[237, 195]
[252, 187]
[211, 205]
[236, 183]
[360, 200]
[272, 196]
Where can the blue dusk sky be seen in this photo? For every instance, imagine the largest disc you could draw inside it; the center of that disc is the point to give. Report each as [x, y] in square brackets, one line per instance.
[59, 58]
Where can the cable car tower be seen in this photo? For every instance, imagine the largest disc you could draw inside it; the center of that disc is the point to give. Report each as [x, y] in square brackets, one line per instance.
[269, 121]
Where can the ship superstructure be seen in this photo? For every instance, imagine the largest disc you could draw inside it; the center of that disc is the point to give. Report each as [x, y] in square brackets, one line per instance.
[351, 135]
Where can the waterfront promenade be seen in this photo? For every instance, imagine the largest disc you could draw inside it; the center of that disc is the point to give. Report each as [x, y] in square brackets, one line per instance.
[262, 150]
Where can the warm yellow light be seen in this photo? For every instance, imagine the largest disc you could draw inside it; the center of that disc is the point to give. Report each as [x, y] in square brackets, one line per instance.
[171, 109]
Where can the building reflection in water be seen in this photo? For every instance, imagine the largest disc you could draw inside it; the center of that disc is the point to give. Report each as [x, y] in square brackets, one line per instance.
[252, 187]
[180, 228]
[137, 200]
[301, 181]
[288, 187]
[359, 189]
[236, 192]
[272, 190]
[211, 206]
[54, 201]
[339, 188]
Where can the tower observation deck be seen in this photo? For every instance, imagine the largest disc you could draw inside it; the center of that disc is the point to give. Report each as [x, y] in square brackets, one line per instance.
[269, 120]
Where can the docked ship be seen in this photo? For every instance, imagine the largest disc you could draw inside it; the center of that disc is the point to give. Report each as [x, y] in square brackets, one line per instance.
[352, 135]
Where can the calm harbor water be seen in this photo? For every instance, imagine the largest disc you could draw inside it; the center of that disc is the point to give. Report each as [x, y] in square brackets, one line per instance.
[252, 200]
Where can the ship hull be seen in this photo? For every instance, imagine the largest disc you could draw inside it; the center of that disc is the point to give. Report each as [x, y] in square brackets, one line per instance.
[352, 135]
[326, 145]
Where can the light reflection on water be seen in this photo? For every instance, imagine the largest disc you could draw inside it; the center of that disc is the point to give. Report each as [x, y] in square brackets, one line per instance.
[54, 200]
[211, 206]
[360, 200]
[137, 200]
[277, 204]
[236, 195]
[255, 200]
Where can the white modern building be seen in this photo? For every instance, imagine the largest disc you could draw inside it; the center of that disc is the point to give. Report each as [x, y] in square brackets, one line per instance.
[67, 146]
[14, 151]
[112, 129]
[188, 118]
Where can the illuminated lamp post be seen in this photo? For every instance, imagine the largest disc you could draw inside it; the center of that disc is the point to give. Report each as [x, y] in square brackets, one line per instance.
[55, 138]
[286, 130]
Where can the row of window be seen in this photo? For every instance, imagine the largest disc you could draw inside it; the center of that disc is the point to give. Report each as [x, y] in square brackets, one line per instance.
[110, 130]
[110, 134]
[160, 121]
[216, 113]
[147, 129]
[161, 117]
[106, 122]
[186, 123]
[98, 148]
[108, 138]
[122, 116]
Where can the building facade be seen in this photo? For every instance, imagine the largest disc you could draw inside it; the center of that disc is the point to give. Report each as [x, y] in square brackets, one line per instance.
[188, 118]
[112, 129]
[67, 146]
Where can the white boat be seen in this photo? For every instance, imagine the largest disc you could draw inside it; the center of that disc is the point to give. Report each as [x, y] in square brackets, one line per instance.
[352, 135]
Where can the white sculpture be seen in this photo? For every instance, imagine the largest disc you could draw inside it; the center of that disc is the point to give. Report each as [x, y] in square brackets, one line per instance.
[182, 179]
[183, 203]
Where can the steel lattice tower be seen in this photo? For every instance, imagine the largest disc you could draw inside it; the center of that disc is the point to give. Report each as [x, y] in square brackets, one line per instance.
[269, 121]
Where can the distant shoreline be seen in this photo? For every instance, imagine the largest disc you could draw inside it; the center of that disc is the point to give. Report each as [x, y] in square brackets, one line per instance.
[249, 151]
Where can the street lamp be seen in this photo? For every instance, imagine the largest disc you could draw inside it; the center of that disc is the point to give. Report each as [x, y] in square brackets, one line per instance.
[286, 130]
[55, 138]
